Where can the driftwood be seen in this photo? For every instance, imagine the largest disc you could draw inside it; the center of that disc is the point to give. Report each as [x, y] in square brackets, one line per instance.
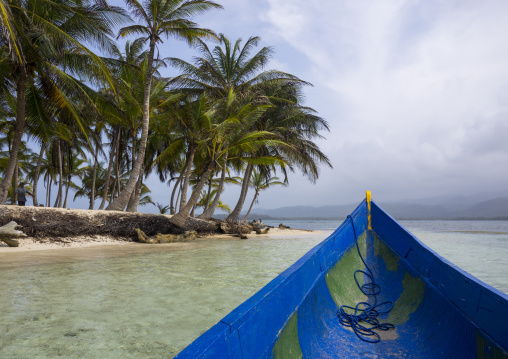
[260, 227]
[40, 223]
[8, 232]
[241, 228]
[165, 238]
[236, 227]
[262, 230]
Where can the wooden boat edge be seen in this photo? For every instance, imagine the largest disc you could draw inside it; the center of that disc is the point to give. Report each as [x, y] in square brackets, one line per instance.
[224, 337]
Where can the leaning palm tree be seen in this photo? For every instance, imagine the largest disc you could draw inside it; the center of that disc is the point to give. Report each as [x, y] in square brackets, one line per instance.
[261, 180]
[296, 127]
[225, 136]
[50, 36]
[231, 71]
[159, 18]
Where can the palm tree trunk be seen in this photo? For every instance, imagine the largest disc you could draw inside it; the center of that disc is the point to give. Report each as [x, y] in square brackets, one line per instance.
[67, 185]
[180, 218]
[21, 86]
[37, 174]
[208, 213]
[172, 209]
[251, 205]
[113, 191]
[56, 200]
[120, 203]
[60, 174]
[110, 166]
[94, 177]
[243, 194]
[139, 187]
[48, 191]
[186, 179]
[117, 169]
[132, 206]
[15, 184]
[208, 193]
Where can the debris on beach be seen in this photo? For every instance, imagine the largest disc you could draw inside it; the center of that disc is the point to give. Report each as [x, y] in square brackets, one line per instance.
[165, 238]
[57, 224]
[8, 232]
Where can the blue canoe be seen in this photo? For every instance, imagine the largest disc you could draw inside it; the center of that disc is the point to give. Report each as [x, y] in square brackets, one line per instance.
[439, 311]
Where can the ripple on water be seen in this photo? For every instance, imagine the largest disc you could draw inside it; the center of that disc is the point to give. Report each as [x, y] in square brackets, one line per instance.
[136, 306]
[151, 301]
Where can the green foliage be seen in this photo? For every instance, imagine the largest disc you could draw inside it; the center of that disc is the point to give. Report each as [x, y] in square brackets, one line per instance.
[92, 116]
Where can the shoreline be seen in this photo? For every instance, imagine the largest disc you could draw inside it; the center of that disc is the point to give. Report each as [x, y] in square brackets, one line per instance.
[29, 244]
[56, 232]
[42, 251]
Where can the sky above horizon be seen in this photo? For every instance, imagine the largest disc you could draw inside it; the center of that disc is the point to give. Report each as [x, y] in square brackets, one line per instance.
[415, 92]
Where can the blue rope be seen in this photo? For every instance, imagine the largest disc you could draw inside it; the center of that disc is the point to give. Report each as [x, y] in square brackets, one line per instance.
[364, 319]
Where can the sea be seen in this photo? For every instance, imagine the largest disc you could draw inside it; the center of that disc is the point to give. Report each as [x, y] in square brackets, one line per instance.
[139, 301]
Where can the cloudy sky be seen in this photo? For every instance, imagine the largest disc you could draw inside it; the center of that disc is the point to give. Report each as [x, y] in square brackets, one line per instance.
[415, 92]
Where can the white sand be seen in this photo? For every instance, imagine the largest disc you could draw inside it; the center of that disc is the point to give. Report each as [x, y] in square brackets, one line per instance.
[273, 232]
[30, 244]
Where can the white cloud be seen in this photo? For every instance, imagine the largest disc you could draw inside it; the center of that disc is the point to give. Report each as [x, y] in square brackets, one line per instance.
[424, 85]
[416, 92]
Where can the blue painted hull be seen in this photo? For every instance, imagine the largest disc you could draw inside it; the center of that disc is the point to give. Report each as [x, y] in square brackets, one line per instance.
[439, 310]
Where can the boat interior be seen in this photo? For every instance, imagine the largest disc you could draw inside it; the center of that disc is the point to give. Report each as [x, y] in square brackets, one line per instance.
[427, 307]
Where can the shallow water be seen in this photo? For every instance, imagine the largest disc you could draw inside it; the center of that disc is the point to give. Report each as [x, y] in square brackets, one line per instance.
[141, 306]
[478, 247]
[138, 301]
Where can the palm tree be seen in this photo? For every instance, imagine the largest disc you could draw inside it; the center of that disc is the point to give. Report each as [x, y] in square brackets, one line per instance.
[205, 200]
[261, 181]
[163, 209]
[90, 186]
[231, 71]
[295, 126]
[168, 18]
[229, 68]
[225, 136]
[49, 34]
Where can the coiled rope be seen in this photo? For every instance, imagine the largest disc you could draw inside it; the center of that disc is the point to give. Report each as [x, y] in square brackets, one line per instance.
[365, 317]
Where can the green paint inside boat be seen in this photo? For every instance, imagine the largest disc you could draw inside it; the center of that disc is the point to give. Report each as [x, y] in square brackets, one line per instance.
[340, 279]
[439, 311]
[288, 345]
[409, 300]
[390, 259]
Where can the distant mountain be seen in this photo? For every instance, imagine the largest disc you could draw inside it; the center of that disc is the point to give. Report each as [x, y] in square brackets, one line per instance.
[457, 200]
[308, 211]
[453, 209]
[494, 208]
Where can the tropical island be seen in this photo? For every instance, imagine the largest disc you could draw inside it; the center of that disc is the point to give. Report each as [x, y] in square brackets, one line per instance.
[87, 111]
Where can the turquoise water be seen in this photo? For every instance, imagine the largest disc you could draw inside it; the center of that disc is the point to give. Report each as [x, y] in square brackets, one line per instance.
[115, 304]
[137, 306]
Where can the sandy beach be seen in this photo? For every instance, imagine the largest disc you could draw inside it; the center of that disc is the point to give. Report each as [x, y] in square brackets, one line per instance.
[31, 244]
[27, 244]
[64, 250]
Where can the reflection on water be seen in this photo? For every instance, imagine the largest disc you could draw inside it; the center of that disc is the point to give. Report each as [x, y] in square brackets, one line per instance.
[139, 301]
[137, 306]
